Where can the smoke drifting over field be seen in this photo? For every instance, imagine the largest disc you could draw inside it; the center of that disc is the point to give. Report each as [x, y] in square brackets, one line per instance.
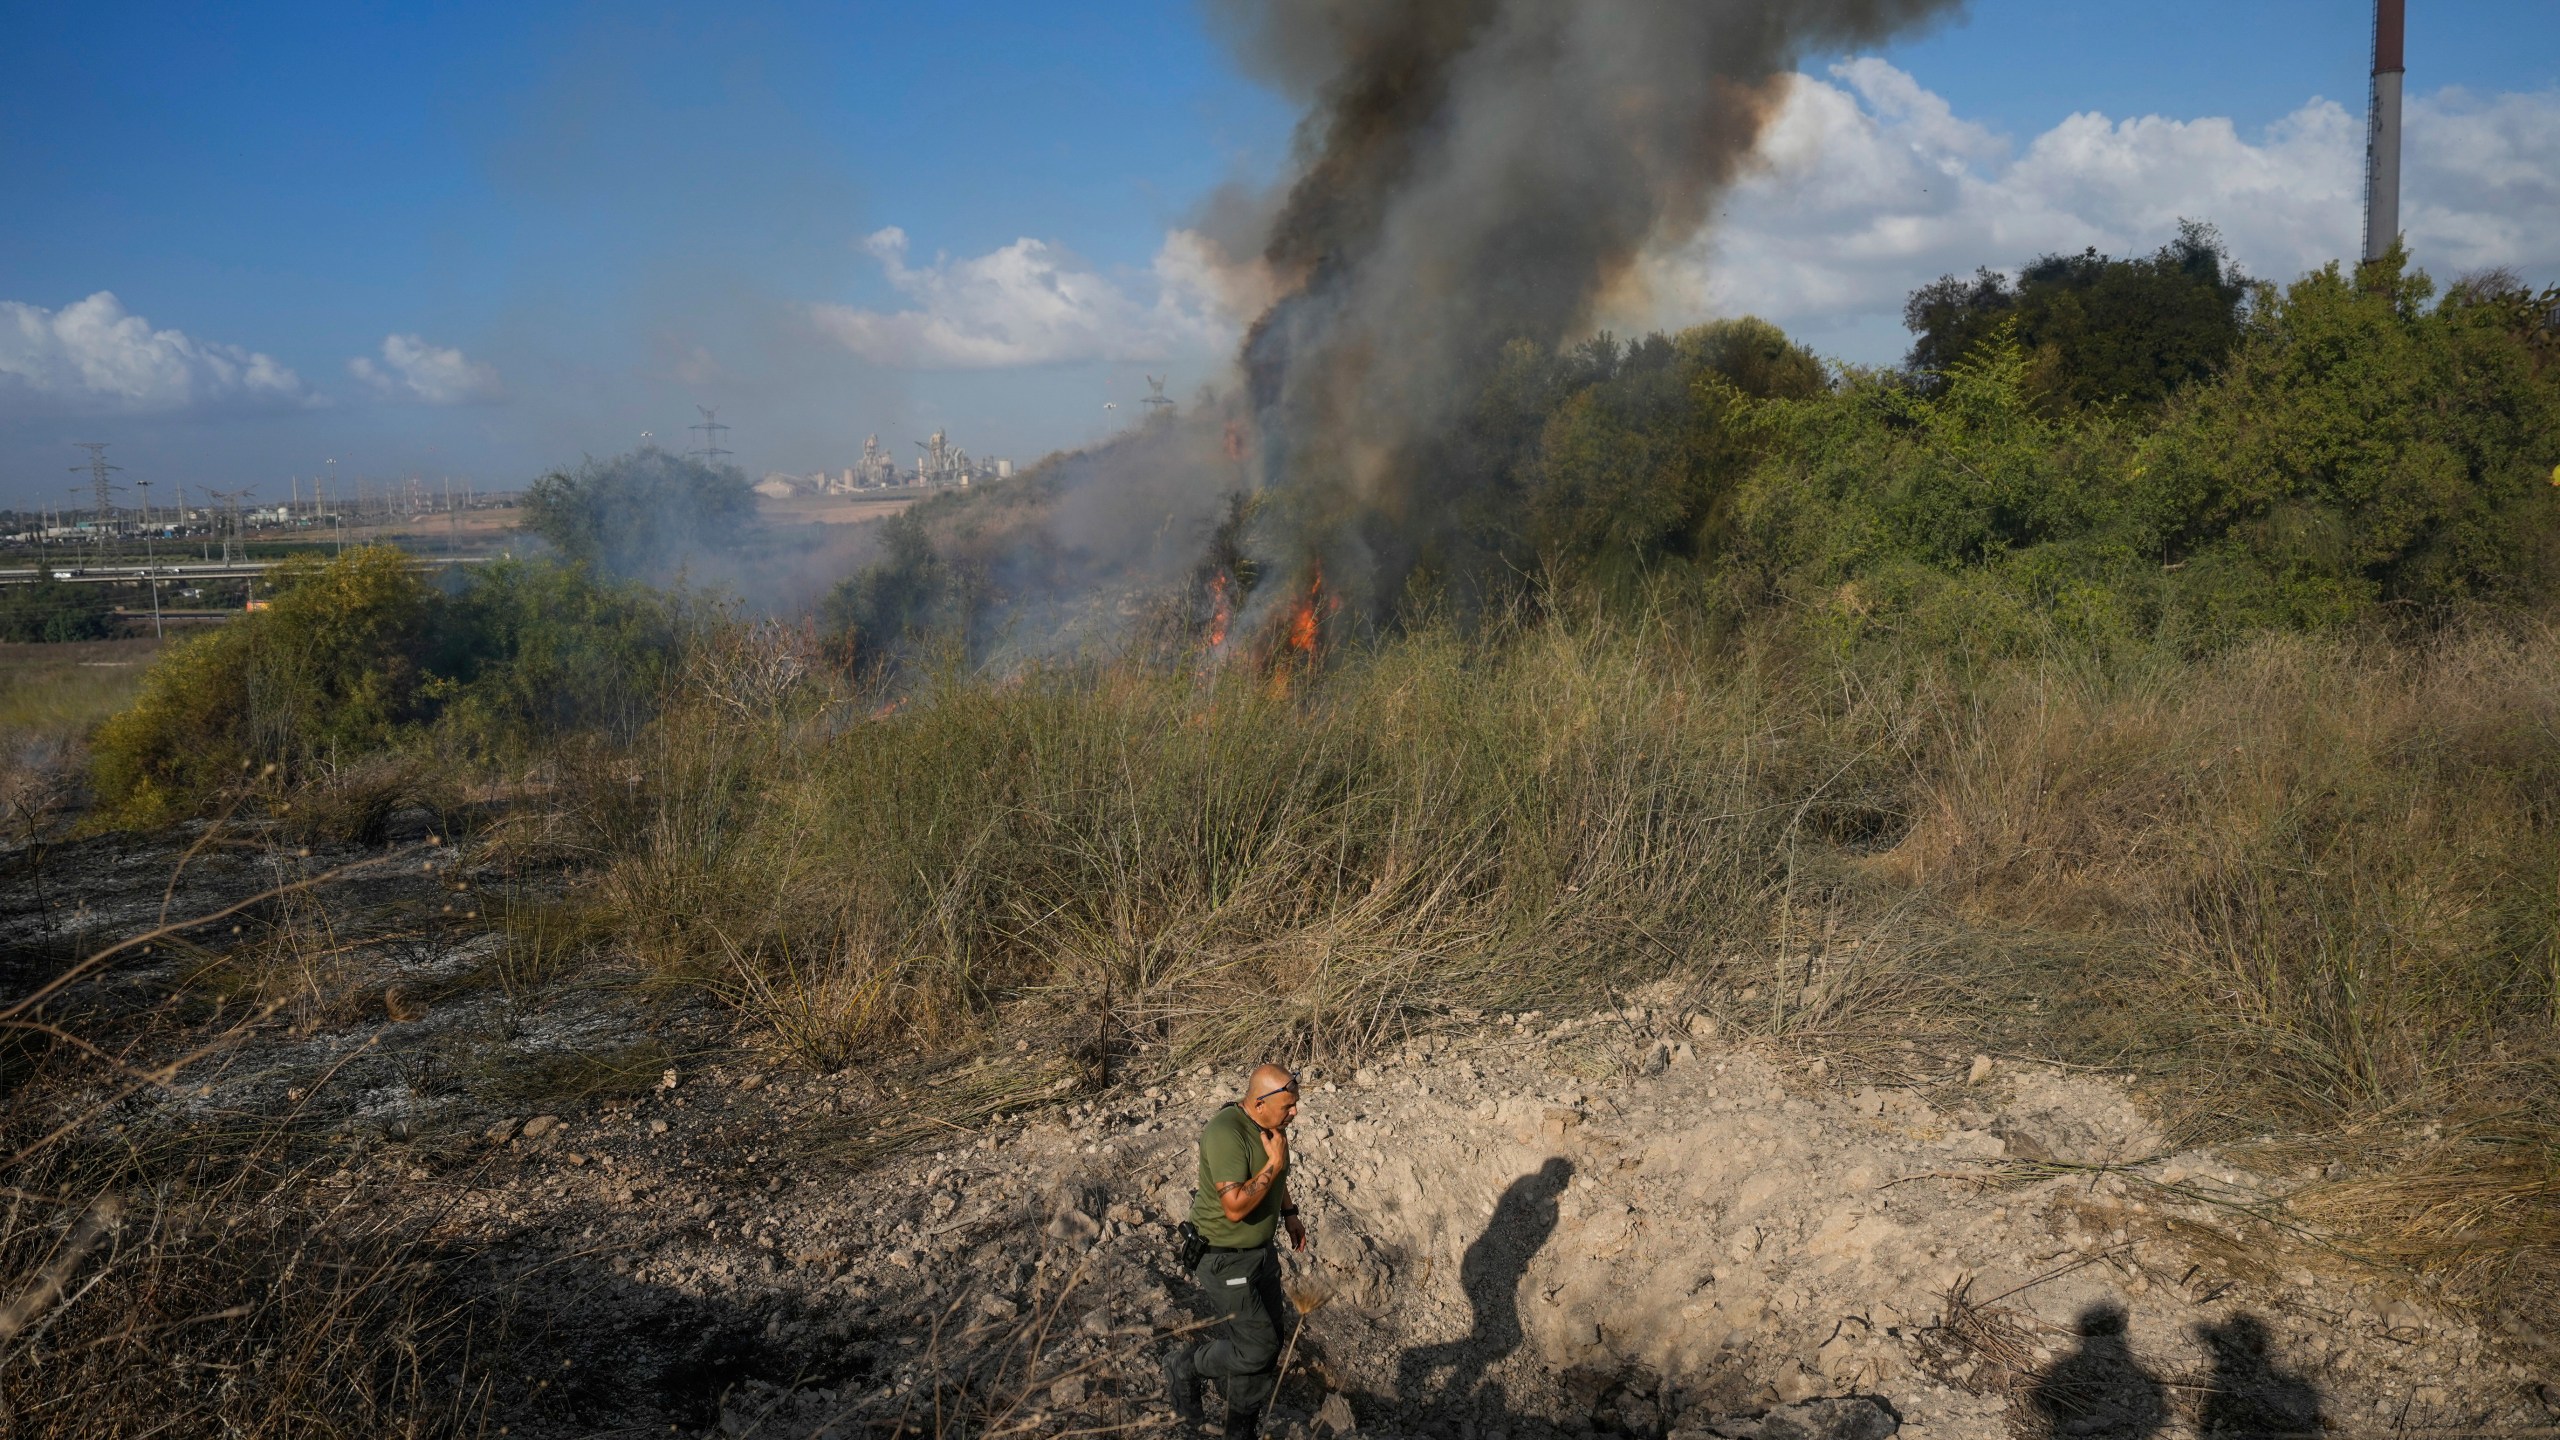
[1474, 172]
[1470, 176]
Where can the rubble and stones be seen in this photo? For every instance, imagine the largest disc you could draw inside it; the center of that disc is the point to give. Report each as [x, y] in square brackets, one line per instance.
[1624, 1223]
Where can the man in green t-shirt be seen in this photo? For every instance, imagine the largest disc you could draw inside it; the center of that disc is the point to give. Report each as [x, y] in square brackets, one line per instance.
[1242, 1197]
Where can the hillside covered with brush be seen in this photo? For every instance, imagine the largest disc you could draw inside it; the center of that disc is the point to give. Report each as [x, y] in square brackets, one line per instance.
[2157, 676]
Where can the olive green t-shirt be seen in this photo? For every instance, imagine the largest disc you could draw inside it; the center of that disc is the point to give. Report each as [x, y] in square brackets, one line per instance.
[1231, 1151]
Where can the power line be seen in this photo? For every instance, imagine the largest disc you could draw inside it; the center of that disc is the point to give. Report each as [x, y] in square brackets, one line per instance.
[150, 552]
[229, 523]
[711, 429]
[99, 470]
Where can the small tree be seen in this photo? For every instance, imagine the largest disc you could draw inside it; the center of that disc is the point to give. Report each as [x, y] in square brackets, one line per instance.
[897, 598]
[2095, 330]
[640, 514]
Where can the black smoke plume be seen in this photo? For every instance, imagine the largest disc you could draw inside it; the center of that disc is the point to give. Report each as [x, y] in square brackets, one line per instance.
[1473, 173]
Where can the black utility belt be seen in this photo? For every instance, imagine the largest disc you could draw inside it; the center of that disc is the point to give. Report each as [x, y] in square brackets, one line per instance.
[1190, 1245]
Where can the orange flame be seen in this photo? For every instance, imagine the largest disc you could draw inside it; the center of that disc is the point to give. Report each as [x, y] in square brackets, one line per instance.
[1221, 610]
[1302, 624]
[1305, 615]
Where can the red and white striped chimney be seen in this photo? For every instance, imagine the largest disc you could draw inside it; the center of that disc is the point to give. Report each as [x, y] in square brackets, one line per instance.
[2382, 130]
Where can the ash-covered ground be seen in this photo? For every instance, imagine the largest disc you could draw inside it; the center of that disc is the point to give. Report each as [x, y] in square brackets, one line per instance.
[1616, 1223]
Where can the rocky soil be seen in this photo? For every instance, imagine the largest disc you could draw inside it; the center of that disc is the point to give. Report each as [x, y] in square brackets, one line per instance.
[1621, 1223]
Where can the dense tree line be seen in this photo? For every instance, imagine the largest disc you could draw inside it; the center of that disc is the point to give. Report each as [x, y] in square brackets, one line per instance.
[2102, 453]
[2151, 449]
[54, 611]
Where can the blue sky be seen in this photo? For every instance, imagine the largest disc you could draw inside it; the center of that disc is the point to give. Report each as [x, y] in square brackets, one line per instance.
[543, 228]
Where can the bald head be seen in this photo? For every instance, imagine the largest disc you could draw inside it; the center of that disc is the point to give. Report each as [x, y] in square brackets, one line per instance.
[1271, 1097]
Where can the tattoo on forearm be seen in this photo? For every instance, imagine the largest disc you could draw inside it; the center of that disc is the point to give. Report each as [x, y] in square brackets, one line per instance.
[1249, 1193]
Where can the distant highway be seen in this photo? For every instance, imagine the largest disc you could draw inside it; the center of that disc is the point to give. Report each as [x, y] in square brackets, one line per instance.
[244, 570]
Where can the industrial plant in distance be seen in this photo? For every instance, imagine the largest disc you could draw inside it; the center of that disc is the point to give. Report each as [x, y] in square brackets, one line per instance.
[941, 463]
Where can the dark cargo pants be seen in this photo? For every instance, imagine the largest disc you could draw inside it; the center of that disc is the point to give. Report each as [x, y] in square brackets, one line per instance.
[1242, 1355]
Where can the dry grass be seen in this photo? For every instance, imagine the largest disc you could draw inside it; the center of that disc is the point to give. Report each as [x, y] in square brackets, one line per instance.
[211, 1272]
[69, 687]
[2339, 854]
[2471, 1205]
[2318, 875]
[1983, 1346]
[51, 697]
[225, 1293]
[1136, 856]
[546, 945]
[2302, 887]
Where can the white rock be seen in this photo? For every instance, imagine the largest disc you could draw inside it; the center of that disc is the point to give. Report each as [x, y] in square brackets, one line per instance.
[1073, 1226]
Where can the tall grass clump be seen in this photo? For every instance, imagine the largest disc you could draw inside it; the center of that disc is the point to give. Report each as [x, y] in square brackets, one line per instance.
[2314, 885]
[2339, 852]
[1220, 859]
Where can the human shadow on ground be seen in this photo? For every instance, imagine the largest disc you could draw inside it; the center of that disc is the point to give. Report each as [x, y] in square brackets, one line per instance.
[1489, 1275]
[2102, 1391]
[2248, 1395]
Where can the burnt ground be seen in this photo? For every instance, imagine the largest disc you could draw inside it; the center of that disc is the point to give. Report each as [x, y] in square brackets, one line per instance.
[1615, 1223]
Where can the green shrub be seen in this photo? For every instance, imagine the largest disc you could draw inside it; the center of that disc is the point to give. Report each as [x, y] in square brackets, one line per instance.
[641, 514]
[2359, 455]
[536, 651]
[898, 599]
[2361, 451]
[330, 670]
[359, 655]
[54, 612]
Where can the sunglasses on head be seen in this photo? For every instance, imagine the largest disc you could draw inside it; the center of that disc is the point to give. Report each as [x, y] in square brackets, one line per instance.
[1289, 1089]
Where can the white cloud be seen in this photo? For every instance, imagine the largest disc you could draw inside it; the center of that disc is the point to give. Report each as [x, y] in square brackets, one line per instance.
[1871, 186]
[94, 355]
[1030, 303]
[412, 369]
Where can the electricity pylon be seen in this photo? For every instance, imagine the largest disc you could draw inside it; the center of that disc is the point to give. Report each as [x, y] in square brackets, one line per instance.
[711, 429]
[104, 488]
